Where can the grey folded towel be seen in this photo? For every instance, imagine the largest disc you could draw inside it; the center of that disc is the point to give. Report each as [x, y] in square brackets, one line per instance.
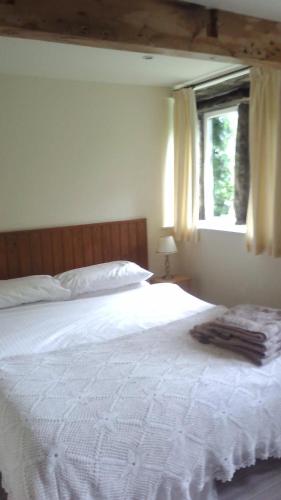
[250, 330]
[260, 324]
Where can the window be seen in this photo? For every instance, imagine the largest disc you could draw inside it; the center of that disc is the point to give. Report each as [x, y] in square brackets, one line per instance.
[220, 130]
[224, 162]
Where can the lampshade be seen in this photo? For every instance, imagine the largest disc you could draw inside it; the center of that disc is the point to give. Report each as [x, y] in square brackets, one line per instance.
[167, 245]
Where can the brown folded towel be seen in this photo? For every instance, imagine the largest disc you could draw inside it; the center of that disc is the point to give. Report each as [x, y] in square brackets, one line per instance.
[213, 330]
[257, 358]
[255, 338]
[250, 330]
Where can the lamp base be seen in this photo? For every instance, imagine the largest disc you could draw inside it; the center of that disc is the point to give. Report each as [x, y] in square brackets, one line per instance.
[167, 275]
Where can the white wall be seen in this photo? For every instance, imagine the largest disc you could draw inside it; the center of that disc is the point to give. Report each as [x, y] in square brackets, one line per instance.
[224, 272]
[74, 152]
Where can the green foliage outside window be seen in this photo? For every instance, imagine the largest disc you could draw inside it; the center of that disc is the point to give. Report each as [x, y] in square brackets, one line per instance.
[223, 182]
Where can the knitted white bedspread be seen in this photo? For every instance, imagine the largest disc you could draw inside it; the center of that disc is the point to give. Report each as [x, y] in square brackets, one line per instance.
[149, 416]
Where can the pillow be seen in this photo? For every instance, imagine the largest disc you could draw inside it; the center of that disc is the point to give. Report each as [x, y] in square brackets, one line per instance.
[102, 277]
[14, 292]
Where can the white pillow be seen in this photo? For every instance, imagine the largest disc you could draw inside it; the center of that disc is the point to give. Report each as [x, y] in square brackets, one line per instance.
[103, 277]
[29, 289]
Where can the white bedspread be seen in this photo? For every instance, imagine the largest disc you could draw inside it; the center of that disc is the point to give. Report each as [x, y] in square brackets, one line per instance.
[148, 416]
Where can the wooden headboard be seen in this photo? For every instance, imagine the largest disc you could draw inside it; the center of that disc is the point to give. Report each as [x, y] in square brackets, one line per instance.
[57, 249]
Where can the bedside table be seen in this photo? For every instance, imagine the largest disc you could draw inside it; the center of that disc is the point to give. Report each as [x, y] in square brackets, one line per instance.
[178, 279]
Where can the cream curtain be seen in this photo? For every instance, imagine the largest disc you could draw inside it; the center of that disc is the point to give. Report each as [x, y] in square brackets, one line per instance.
[264, 211]
[186, 162]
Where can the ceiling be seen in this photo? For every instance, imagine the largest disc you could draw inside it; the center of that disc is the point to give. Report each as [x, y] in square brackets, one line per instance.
[65, 61]
[266, 9]
[74, 62]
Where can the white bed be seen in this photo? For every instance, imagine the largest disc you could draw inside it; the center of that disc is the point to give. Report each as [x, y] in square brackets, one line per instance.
[108, 397]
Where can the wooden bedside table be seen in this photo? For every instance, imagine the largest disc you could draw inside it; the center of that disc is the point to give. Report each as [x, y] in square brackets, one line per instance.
[178, 279]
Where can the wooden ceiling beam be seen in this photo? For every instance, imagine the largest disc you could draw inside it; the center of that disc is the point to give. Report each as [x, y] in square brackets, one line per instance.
[152, 26]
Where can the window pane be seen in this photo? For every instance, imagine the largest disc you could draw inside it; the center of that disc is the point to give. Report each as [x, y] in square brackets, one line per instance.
[220, 136]
[224, 129]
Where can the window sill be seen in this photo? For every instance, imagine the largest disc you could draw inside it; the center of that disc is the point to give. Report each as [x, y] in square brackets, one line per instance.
[218, 226]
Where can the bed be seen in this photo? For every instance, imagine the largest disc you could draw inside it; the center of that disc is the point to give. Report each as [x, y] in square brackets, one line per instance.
[106, 396]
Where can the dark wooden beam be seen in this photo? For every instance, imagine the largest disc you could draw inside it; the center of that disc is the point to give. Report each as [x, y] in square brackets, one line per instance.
[158, 26]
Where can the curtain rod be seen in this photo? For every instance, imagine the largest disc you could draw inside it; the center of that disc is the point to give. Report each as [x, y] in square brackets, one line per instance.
[215, 80]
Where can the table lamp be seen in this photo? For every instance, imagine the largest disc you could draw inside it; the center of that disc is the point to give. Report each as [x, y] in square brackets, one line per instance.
[167, 246]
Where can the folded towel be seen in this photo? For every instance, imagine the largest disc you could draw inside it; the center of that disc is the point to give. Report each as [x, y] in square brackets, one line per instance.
[254, 338]
[213, 330]
[257, 358]
[250, 330]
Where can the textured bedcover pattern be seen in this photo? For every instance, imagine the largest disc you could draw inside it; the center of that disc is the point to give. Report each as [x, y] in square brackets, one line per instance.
[151, 415]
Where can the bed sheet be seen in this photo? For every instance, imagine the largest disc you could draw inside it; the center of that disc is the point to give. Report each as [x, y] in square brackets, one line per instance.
[41, 327]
